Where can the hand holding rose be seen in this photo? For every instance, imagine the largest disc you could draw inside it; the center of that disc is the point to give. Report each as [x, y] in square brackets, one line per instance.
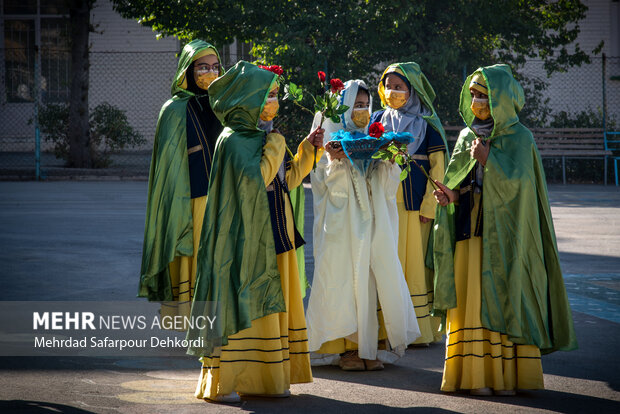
[316, 137]
[444, 195]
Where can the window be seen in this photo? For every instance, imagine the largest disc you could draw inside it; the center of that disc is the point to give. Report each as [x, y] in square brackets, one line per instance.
[19, 59]
[55, 60]
[28, 23]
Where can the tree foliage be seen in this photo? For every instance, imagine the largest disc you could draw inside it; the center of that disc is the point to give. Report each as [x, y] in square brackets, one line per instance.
[357, 39]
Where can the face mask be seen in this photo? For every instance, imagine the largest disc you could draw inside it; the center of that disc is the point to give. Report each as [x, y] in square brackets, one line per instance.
[270, 109]
[360, 117]
[480, 108]
[204, 78]
[395, 99]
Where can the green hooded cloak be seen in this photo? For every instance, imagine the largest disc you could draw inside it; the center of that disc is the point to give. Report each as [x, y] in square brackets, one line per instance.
[523, 293]
[238, 279]
[168, 227]
[423, 89]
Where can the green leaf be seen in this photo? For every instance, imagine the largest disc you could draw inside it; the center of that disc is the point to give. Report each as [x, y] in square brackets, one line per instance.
[400, 160]
[335, 119]
[342, 109]
[383, 155]
[403, 175]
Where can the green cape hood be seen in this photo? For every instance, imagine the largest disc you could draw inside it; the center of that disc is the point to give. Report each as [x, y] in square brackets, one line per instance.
[523, 293]
[425, 92]
[168, 227]
[238, 278]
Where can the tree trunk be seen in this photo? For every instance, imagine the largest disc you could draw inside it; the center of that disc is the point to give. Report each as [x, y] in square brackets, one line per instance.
[79, 130]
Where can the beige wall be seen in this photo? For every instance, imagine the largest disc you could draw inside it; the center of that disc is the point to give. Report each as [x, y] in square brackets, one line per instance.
[582, 87]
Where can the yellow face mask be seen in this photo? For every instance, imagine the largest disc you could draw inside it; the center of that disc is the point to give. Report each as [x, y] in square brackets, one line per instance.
[204, 78]
[360, 117]
[395, 99]
[270, 110]
[480, 108]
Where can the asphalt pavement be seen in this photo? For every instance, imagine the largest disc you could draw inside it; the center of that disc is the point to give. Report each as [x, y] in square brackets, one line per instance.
[82, 241]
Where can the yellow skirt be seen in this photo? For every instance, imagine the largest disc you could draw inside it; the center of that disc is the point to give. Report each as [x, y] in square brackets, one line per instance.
[270, 355]
[477, 357]
[412, 246]
[183, 268]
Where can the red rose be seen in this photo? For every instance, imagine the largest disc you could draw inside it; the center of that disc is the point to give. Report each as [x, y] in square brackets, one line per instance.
[321, 76]
[376, 130]
[277, 69]
[336, 85]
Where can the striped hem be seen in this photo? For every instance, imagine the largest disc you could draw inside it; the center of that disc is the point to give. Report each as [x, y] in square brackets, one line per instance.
[251, 338]
[481, 340]
[490, 355]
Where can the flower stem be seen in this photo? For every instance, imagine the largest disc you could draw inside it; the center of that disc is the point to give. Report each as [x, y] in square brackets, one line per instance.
[426, 174]
[303, 107]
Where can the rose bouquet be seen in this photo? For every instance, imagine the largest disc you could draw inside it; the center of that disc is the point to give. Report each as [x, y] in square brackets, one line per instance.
[327, 105]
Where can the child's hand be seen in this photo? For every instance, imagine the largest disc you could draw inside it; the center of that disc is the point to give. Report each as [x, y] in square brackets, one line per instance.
[444, 195]
[335, 151]
[480, 151]
[316, 137]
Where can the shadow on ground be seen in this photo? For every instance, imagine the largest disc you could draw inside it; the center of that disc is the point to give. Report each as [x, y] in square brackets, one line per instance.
[38, 407]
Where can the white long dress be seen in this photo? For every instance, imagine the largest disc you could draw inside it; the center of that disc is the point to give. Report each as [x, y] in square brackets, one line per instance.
[356, 253]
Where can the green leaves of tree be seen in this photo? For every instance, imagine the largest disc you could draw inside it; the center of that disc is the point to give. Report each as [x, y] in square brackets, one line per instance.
[447, 38]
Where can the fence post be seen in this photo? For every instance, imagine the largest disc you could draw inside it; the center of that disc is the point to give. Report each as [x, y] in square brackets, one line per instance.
[37, 136]
[604, 112]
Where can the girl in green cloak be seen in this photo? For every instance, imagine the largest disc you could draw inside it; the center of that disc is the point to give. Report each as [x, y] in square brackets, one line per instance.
[247, 261]
[183, 149]
[498, 281]
[407, 96]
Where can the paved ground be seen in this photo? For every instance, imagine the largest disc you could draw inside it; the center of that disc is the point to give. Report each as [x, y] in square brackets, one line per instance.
[83, 240]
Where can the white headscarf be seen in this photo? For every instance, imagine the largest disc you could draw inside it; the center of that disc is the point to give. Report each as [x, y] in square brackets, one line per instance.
[347, 97]
[408, 118]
